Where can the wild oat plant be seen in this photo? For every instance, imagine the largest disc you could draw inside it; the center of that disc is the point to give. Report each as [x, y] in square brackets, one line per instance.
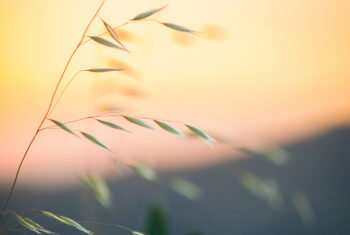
[94, 183]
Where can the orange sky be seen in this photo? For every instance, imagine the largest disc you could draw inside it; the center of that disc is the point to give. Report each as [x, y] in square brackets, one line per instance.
[279, 71]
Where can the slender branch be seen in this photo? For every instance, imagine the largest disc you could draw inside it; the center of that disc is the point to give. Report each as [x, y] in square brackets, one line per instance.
[130, 21]
[76, 120]
[165, 120]
[47, 112]
[115, 114]
[101, 34]
[13, 219]
[64, 89]
[108, 114]
[116, 36]
[121, 25]
[79, 221]
[105, 224]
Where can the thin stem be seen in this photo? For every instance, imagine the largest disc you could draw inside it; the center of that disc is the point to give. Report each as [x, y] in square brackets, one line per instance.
[165, 120]
[14, 218]
[76, 120]
[109, 114]
[114, 36]
[8, 222]
[105, 224]
[64, 89]
[121, 25]
[101, 34]
[130, 21]
[79, 221]
[47, 111]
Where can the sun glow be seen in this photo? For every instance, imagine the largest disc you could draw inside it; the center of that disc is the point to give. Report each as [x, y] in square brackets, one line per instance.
[267, 71]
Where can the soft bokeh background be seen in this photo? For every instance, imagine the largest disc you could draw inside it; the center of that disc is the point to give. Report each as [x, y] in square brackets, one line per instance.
[263, 73]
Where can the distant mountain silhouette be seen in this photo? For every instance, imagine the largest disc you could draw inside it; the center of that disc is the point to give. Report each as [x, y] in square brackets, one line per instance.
[319, 166]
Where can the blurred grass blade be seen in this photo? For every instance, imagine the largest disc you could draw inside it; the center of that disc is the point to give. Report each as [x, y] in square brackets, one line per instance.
[98, 187]
[157, 222]
[304, 208]
[52, 216]
[249, 151]
[186, 188]
[75, 225]
[110, 124]
[276, 155]
[64, 127]
[113, 34]
[93, 140]
[169, 128]
[204, 136]
[178, 28]
[102, 70]
[266, 189]
[147, 13]
[27, 224]
[144, 171]
[65, 220]
[38, 226]
[200, 133]
[105, 42]
[139, 122]
[136, 233]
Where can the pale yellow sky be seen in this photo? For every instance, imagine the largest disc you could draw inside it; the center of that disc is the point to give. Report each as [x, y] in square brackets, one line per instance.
[279, 71]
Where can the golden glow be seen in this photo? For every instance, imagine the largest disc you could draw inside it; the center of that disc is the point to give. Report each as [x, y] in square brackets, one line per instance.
[278, 70]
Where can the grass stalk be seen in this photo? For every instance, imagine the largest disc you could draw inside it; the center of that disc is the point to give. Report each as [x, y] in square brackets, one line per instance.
[47, 111]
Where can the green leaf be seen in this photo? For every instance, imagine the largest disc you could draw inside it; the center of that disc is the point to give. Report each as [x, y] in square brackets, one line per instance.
[105, 42]
[144, 171]
[102, 70]
[147, 14]
[75, 224]
[98, 187]
[93, 140]
[204, 136]
[178, 28]
[136, 233]
[186, 188]
[113, 34]
[27, 224]
[65, 220]
[139, 122]
[64, 127]
[169, 128]
[52, 216]
[31, 225]
[110, 124]
[38, 226]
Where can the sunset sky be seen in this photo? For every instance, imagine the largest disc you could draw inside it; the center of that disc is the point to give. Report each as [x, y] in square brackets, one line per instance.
[263, 72]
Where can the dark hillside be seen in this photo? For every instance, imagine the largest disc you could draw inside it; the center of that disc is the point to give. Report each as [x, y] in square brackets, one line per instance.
[318, 166]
